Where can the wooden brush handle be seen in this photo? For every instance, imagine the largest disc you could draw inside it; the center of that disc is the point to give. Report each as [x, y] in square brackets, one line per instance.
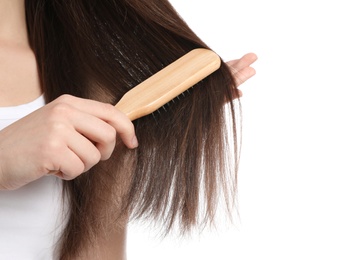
[168, 83]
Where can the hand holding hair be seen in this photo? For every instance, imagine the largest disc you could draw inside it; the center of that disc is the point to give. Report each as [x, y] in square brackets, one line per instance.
[188, 158]
[70, 135]
[66, 137]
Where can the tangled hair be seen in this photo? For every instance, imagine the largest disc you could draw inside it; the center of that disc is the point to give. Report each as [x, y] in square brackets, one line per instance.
[187, 156]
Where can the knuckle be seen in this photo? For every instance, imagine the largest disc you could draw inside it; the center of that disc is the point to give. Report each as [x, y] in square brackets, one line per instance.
[55, 130]
[109, 108]
[59, 116]
[48, 151]
[61, 109]
[51, 145]
[105, 151]
[126, 126]
[110, 136]
[65, 98]
[91, 161]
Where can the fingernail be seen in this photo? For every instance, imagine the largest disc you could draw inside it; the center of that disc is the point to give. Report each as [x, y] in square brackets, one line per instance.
[134, 142]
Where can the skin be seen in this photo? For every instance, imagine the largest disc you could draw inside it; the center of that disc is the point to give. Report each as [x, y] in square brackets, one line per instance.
[67, 136]
[242, 70]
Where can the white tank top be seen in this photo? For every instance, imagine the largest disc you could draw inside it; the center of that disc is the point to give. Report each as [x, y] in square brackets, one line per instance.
[30, 217]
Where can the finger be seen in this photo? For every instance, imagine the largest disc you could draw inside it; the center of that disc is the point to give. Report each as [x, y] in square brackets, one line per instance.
[122, 124]
[98, 131]
[232, 63]
[241, 69]
[108, 113]
[67, 165]
[84, 149]
[76, 155]
[243, 75]
[79, 156]
[245, 61]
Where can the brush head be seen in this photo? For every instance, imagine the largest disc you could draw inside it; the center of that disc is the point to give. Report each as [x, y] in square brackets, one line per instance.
[168, 83]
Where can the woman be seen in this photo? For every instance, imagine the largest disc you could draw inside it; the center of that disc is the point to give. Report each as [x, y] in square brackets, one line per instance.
[68, 184]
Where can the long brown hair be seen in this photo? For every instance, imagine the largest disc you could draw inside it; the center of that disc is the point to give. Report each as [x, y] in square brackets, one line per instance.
[188, 151]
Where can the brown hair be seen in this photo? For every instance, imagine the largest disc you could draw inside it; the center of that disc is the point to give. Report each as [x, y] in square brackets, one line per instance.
[188, 151]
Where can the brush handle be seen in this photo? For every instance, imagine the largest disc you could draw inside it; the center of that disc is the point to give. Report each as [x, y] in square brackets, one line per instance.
[168, 83]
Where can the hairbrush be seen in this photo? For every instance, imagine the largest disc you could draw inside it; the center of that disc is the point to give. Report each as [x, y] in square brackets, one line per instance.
[168, 83]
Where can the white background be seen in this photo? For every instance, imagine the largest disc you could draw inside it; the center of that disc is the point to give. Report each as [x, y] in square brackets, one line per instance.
[289, 192]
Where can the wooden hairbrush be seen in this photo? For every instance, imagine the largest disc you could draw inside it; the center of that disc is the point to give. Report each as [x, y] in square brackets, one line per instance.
[168, 83]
